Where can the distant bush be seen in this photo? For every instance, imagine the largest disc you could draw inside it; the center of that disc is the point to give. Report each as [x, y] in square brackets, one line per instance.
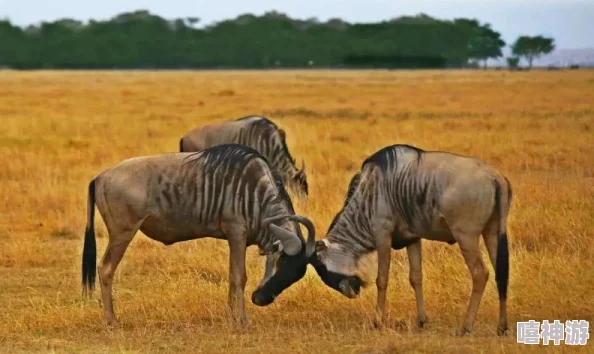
[140, 39]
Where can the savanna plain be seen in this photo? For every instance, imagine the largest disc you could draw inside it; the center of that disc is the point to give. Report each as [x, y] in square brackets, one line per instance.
[59, 129]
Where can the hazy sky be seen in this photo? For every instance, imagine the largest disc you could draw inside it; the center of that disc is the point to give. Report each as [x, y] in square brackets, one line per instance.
[570, 22]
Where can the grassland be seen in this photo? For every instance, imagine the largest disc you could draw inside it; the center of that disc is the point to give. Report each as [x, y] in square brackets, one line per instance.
[58, 129]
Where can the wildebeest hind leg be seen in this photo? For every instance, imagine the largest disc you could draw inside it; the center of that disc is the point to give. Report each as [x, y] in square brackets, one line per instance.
[491, 238]
[469, 245]
[118, 243]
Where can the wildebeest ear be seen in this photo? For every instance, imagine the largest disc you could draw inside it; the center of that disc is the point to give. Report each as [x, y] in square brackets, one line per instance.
[321, 246]
[282, 133]
[275, 247]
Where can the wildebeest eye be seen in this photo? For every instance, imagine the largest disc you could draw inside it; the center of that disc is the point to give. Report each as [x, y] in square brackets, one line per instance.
[280, 260]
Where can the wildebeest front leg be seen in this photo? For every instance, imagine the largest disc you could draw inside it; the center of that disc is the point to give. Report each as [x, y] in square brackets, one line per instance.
[416, 279]
[237, 275]
[384, 247]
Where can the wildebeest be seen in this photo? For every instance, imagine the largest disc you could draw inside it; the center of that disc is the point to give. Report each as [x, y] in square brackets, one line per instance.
[225, 192]
[260, 134]
[403, 194]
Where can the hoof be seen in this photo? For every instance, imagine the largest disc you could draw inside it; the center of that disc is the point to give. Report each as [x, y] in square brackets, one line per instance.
[462, 332]
[401, 324]
[112, 323]
[242, 322]
[377, 324]
[502, 332]
[396, 324]
[422, 322]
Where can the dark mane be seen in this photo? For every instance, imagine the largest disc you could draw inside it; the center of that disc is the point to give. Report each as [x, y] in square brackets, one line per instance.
[286, 149]
[256, 116]
[234, 154]
[283, 196]
[353, 184]
[265, 124]
[387, 154]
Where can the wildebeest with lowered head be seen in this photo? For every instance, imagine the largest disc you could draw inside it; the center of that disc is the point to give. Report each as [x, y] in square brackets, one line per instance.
[404, 194]
[226, 192]
[260, 134]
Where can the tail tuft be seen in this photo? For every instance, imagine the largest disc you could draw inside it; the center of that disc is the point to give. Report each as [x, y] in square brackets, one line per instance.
[89, 256]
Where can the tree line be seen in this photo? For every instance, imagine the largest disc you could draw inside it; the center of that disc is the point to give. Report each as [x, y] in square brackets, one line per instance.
[143, 40]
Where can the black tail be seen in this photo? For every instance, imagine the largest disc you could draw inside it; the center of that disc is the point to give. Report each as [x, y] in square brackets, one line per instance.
[181, 145]
[89, 256]
[502, 260]
[502, 270]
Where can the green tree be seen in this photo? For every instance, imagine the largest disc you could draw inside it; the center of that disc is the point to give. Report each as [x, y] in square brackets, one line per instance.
[532, 47]
[192, 21]
[512, 62]
[483, 42]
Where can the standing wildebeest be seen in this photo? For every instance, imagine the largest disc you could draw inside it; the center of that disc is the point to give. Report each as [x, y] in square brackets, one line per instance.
[225, 192]
[403, 194]
[260, 134]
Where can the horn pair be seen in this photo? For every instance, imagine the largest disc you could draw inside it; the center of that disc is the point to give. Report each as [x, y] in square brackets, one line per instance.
[291, 242]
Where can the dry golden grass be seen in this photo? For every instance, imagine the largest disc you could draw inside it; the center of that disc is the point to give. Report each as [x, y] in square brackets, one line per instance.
[58, 129]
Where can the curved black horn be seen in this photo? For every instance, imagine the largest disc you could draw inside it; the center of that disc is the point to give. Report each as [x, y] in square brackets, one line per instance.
[302, 165]
[311, 233]
[270, 220]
